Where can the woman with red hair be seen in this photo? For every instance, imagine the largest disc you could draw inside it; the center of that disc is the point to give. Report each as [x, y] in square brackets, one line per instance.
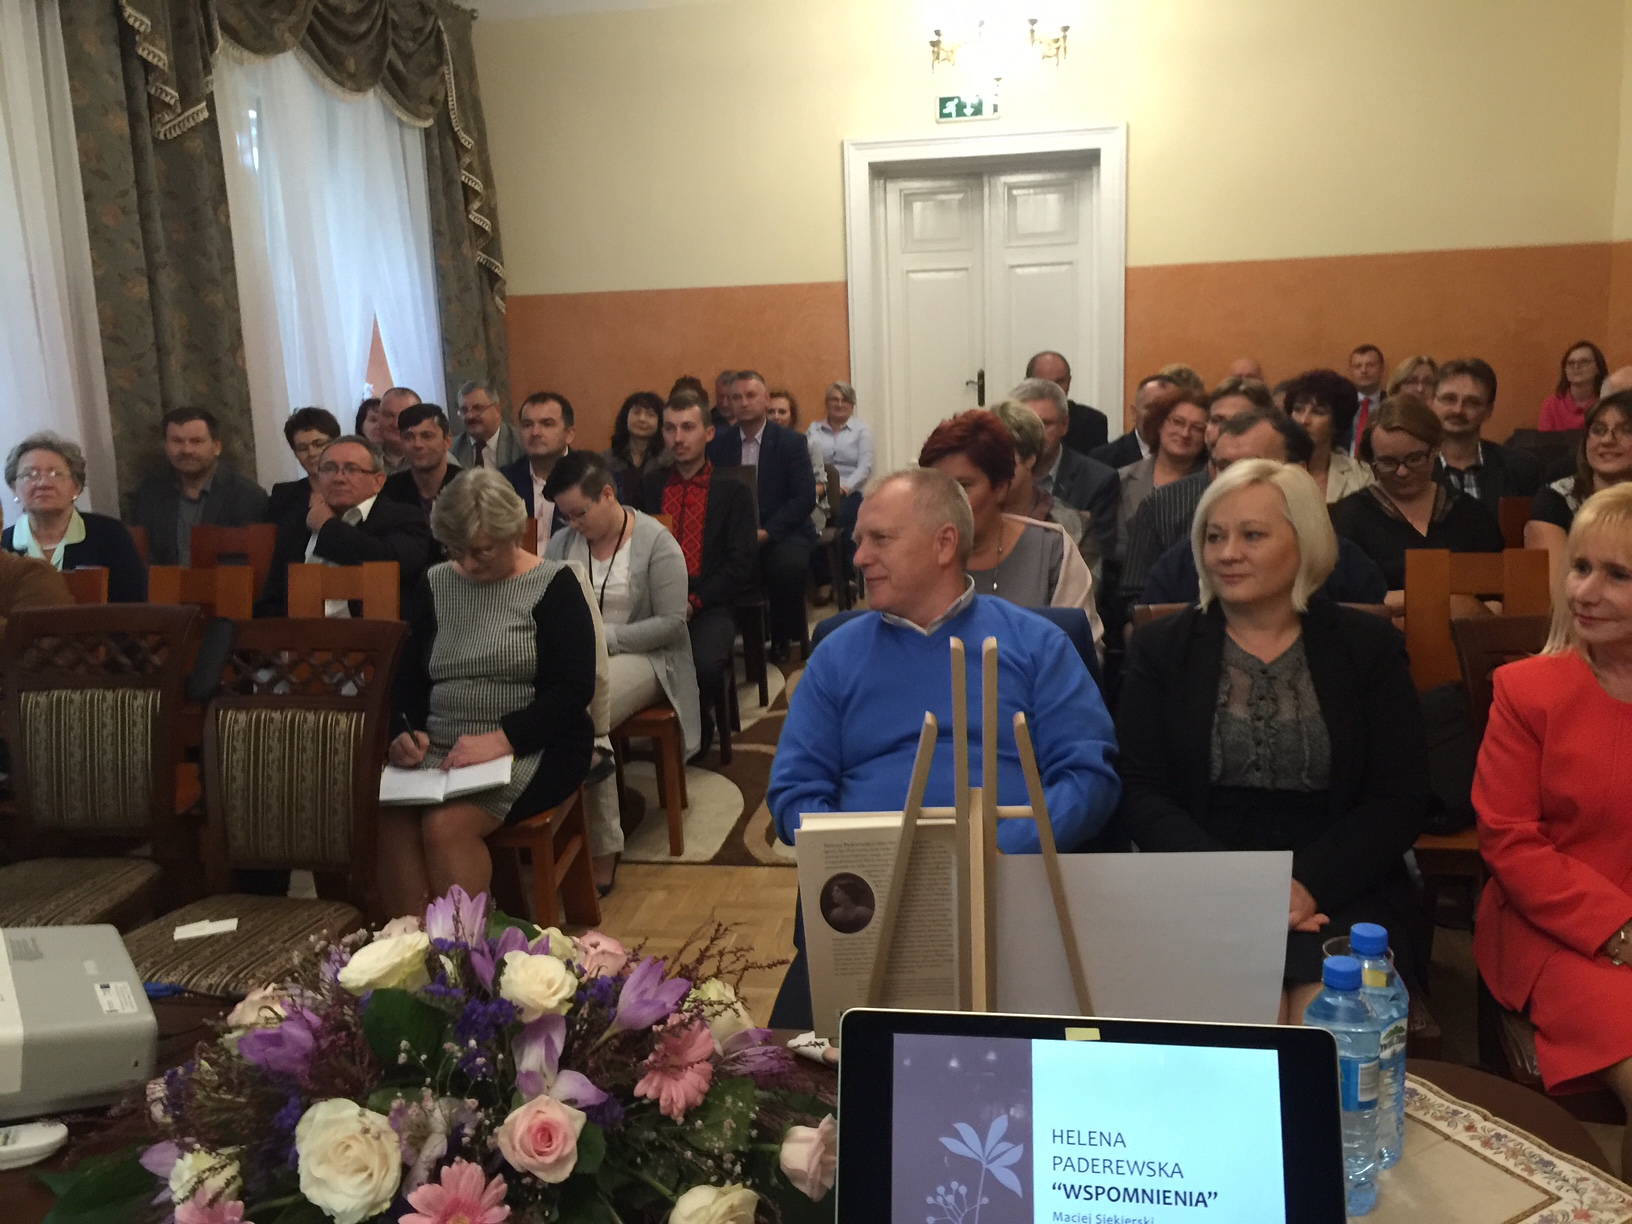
[1029, 563]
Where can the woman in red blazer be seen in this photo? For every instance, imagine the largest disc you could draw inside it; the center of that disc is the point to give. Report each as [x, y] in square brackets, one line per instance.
[1554, 797]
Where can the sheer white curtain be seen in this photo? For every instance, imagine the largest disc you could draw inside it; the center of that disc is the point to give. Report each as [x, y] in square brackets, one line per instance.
[51, 374]
[330, 230]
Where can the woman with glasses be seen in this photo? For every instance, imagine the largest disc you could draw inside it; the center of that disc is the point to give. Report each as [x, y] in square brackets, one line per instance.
[46, 473]
[1175, 426]
[500, 661]
[1581, 372]
[1407, 508]
[1414, 376]
[1604, 459]
[1325, 404]
[307, 431]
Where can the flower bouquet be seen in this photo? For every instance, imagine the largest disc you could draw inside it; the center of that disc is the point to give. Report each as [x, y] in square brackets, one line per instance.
[473, 1069]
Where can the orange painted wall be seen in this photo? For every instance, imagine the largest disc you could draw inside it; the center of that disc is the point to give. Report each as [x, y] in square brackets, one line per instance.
[1517, 307]
[596, 348]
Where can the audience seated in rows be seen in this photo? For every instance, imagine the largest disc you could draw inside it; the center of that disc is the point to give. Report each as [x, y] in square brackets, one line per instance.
[47, 473]
[1020, 560]
[1025, 499]
[840, 439]
[1087, 428]
[1407, 508]
[637, 442]
[196, 489]
[1464, 397]
[423, 432]
[1603, 459]
[307, 431]
[350, 523]
[486, 441]
[637, 572]
[783, 409]
[1176, 419]
[385, 425]
[1066, 475]
[1135, 444]
[500, 660]
[787, 495]
[1325, 404]
[1554, 930]
[1265, 719]
[546, 420]
[713, 519]
[1581, 372]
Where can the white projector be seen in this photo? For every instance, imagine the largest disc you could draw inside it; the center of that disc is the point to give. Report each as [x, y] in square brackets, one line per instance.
[76, 1029]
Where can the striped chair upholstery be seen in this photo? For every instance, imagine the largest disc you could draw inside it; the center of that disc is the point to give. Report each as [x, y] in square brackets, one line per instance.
[89, 757]
[74, 892]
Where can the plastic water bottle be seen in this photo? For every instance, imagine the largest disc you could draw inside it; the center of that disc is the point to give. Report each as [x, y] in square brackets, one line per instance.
[1342, 1012]
[1381, 987]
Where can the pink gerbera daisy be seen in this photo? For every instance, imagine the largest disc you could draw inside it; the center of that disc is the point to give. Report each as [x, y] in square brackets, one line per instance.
[678, 1071]
[462, 1196]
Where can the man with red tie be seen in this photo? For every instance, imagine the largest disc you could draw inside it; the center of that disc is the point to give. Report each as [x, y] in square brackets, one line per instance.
[1366, 373]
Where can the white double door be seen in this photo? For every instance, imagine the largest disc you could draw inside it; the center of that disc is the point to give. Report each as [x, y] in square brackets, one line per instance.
[980, 272]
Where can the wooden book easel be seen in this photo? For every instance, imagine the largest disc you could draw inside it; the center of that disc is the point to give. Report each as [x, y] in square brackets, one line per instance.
[975, 834]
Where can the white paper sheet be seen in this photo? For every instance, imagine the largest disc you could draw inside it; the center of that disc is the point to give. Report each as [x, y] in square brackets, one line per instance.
[413, 787]
[11, 1028]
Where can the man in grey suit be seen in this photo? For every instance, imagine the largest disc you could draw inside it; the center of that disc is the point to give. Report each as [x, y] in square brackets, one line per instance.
[1080, 482]
[196, 490]
[487, 440]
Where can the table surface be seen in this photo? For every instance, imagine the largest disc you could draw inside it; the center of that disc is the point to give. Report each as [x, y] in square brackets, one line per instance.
[186, 1021]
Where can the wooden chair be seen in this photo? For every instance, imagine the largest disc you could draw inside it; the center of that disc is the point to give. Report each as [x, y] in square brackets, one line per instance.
[138, 537]
[1513, 513]
[91, 696]
[661, 725]
[529, 537]
[1433, 576]
[293, 748]
[1143, 614]
[374, 583]
[225, 591]
[88, 584]
[556, 842]
[252, 546]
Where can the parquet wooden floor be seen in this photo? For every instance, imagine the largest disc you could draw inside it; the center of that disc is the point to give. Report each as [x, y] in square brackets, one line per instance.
[664, 903]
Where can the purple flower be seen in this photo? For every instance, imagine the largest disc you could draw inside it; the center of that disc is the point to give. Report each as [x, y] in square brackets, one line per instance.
[285, 1049]
[457, 916]
[160, 1159]
[647, 997]
[485, 954]
[537, 1051]
[751, 1053]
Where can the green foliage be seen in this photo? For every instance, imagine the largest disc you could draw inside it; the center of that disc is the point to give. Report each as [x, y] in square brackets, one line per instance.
[395, 1016]
[591, 1149]
[724, 1122]
[102, 1190]
[498, 920]
[581, 1201]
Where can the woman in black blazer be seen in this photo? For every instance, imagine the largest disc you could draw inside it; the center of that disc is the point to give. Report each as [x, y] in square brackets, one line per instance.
[1265, 719]
[46, 472]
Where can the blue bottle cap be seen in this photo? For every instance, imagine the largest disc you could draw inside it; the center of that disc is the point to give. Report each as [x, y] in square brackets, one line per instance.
[1341, 973]
[1368, 939]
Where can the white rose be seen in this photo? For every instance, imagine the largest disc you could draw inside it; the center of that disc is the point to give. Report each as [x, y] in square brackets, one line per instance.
[398, 961]
[537, 985]
[715, 1205]
[350, 1160]
[727, 1015]
[216, 1172]
[561, 946]
[405, 925]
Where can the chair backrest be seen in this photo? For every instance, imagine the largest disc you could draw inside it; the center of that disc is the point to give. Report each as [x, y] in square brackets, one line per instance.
[92, 695]
[1485, 643]
[529, 537]
[293, 747]
[88, 584]
[228, 590]
[1513, 513]
[1518, 576]
[138, 537]
[375, 583]
[667, 521]
[252, 546]
[1143, 614]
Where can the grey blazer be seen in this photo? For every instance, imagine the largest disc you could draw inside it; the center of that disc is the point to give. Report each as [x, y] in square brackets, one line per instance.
[506, 445]
[657, 617]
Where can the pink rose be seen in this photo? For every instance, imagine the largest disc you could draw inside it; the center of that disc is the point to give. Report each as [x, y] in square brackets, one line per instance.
[809, 1155]
[200, 1210]
[541, 1138]
[601, 955]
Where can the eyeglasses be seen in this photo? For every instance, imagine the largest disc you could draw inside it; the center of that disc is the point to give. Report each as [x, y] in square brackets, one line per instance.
[306, 448]
[1416, 461]
[1580, 362]
[42, 475]
[1602, 430]
[344, 469]
[1451, 399]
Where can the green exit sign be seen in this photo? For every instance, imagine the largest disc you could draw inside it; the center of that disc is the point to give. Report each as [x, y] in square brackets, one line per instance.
[953, 107]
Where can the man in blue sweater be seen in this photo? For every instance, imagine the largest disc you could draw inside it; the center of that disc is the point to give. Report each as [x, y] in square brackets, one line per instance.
[853, 722]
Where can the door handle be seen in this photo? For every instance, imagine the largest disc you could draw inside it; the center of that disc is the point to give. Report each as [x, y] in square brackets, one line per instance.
[978, 382]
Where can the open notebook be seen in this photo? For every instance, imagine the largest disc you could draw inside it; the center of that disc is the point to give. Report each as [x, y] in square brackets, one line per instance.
[419, 786]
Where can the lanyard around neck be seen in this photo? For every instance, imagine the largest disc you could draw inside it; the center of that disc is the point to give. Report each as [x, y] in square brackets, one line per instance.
[600, 596]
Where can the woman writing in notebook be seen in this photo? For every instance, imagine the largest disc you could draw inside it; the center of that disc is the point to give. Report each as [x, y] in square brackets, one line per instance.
[1269, 718]
[500, 661]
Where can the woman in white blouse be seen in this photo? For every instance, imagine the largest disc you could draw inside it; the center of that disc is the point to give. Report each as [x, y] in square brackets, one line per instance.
[637, 572]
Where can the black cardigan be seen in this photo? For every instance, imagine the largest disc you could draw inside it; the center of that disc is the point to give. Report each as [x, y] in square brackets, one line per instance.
[1379, 794]
[106, 543]
[730, 539]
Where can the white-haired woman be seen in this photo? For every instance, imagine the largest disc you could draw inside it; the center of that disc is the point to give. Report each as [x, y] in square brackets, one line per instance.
[1268, 719]
[500, 660]
[1555, 922]
[46, 472]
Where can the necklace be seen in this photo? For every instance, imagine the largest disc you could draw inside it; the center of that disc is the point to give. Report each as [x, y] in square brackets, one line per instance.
[600, 600]
[1002, 530]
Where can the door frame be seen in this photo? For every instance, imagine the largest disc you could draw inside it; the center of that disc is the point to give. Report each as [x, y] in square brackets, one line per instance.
[868, 162]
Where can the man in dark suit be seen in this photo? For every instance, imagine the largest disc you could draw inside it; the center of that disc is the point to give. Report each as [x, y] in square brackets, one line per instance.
[348, 524]
[308, 431]
[713, 518]
[423, 429]
[196, 490]
[1080, 482]
[1131, 447]
[1464, 398]
[1089, 428]
[787, 495]
[546, 420]
[487, 439]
